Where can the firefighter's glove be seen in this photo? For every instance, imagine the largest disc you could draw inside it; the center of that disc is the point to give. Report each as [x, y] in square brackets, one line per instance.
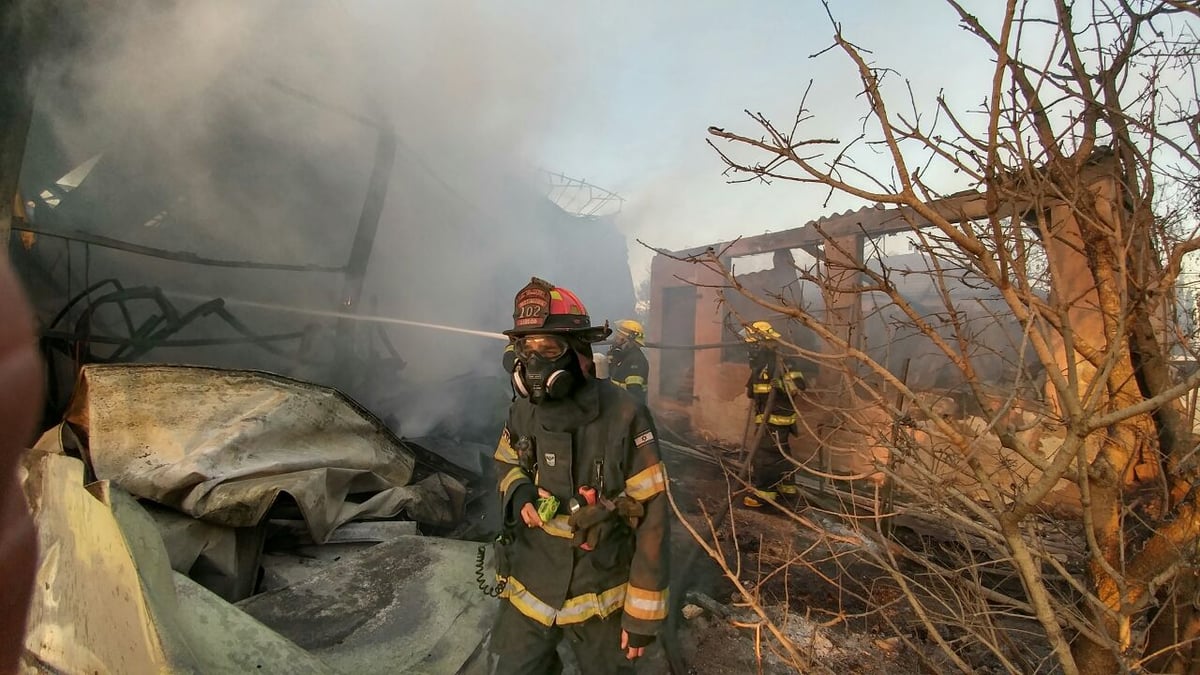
[630, 509]
[590, 524]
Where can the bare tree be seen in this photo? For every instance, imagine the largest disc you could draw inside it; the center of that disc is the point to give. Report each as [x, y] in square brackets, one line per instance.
[1081, 168]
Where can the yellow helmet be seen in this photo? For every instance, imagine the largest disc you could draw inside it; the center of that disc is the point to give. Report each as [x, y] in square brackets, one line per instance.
[633, 329]
[760, 330]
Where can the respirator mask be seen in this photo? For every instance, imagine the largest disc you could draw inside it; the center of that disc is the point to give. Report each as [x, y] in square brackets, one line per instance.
[546, 367]
[620, 343]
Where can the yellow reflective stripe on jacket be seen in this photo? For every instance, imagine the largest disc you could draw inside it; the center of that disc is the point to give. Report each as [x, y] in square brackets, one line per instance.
[646, 483]
[504, 450]
[575, 610]
[762, 387]
[619, 383]
[558, 527]
[795, 375]
[527, 603]
[777, 420]
[646, 605]
[635, 379]
[583, 607]
[513, 476]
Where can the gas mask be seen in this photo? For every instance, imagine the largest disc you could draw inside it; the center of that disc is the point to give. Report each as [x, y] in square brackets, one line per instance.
[546, 368]
[620, 343]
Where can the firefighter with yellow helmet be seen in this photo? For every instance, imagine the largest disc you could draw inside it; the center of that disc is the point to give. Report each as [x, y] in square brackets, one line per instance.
[627, 364]
[771, 370]
[582, 490]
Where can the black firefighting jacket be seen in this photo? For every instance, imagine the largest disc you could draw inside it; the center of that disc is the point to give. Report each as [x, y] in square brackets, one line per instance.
[629, 369]
[769, 368]
[601, 430]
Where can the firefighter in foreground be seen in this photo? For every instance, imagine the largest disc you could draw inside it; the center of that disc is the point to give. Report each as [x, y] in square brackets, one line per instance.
[582, 492]
[20, 404]
[627, 364]
[771, 370]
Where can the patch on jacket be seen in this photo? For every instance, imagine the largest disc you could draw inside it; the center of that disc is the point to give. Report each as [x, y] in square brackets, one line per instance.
[645, 438]
[550, 459]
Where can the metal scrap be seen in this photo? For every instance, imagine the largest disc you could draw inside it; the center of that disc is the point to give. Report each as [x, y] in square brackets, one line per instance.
[106, 600]
[404, 606]
[223, 446]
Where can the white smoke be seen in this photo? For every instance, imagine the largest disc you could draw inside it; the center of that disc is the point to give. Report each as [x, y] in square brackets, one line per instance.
[247, 130]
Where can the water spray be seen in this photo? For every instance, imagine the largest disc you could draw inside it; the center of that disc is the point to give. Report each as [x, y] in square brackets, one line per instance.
[345, 315]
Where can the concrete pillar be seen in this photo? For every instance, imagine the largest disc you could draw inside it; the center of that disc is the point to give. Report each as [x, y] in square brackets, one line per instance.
[843, 306]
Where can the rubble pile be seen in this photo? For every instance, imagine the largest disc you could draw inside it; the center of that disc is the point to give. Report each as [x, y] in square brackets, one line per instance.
[205, 520]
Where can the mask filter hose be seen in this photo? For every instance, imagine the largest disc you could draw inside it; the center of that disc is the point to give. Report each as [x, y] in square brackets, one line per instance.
[559, 384]
[518, 378]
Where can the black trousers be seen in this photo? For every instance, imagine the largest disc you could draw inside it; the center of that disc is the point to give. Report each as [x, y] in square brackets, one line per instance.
[521, 646]
[770, 466]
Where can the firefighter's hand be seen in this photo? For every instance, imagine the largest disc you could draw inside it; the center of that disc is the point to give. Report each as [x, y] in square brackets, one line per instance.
[529, 512]
[629, 508]
[634, 644]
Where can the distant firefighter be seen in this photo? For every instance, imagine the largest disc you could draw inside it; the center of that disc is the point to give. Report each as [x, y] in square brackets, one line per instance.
[771, 370]
[627, 364]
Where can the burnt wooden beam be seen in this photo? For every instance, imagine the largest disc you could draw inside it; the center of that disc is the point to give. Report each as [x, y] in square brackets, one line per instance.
[364, 241]
[165, 254]
[869, 221]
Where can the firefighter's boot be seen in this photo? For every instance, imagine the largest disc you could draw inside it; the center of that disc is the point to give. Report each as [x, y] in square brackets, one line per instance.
[756, 499]
[789, 494]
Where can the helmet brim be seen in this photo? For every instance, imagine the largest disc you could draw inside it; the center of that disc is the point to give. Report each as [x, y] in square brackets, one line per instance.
[591, 335]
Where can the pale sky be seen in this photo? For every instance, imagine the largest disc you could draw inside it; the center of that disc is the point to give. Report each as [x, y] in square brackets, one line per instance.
[647, 79]
[616, 92]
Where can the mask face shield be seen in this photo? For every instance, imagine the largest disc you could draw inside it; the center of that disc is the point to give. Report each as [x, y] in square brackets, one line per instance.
[548, 347]
[546, 367]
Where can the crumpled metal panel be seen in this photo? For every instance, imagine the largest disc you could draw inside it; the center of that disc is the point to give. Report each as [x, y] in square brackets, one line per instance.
[223, 445]
[88, 614]
[409, 605]
[224, 560]
[106, 600]
[233, 642]
[202, 633]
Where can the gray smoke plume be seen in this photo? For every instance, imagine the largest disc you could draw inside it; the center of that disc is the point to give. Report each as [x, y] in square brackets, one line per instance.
[249, 131]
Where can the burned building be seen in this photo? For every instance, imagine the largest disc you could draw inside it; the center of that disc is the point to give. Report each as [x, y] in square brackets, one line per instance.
[703, 390]
[214, 237]
[177, 246]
